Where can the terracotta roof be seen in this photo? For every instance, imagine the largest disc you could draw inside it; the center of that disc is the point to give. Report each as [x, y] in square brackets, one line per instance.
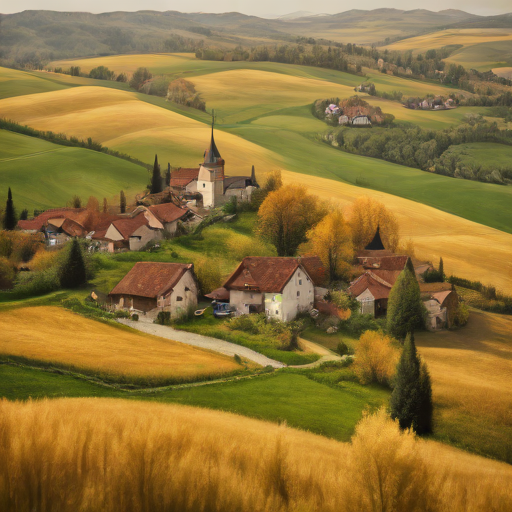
[219, 294]
[315, 269]
[128, 225]
[367, 281]
[168, 212]
[266, 275]
[79, 215]
[147, 279]
[388, 276]
[182, 177]
[384, 262]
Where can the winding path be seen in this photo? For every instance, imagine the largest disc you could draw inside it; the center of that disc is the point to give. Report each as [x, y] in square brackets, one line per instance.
[197, 340]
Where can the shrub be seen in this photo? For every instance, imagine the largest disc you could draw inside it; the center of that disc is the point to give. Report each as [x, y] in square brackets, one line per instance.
[343, 300]
[342, 348]
[237, 359]
[43, 260]
[121, 313]
[163, 318]
[376, 358]
[462, 315]
[358, 323]
[135, 317]
[208, 274]
[7, 274]
[32, 284]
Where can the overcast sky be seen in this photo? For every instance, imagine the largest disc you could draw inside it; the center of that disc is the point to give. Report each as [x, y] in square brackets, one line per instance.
[263, 8]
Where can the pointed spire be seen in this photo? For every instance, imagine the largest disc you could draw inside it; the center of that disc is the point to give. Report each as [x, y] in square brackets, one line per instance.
[212, 155]
[376, 244]
[253, 177]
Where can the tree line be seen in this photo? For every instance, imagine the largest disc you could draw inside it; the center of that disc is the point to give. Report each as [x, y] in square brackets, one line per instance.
[425, 149]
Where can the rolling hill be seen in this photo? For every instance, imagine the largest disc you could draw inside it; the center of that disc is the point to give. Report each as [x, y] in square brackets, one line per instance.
[45, 175]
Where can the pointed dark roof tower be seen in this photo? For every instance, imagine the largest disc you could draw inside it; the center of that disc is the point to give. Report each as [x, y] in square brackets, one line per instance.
[376, 244]
[212, 155]
[253, 177]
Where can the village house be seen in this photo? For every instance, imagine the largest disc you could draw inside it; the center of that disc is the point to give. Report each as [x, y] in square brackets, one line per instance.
[381, 269]
[280, 287]
[153, 287]
[361, 121]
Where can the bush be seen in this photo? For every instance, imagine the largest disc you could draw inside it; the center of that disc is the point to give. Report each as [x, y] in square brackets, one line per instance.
[208, 274]
[343, 300]
[32, 284]
[359, 323]
[376, 359]
[342, 349]
[121, 313]
[237, 359]
[43, 260]
[462, 315]
[135, 317]
[163, 318]
[7, 274]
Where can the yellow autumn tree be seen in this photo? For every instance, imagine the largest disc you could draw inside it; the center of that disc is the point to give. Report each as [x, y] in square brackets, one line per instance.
[286, 215]
[331, 240]
[366, 214]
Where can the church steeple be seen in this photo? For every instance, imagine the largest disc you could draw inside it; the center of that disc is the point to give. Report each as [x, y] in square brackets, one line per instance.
[376, 244]
[212, 155]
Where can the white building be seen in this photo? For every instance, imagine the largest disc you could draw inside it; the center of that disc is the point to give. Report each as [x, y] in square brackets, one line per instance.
[281, 287]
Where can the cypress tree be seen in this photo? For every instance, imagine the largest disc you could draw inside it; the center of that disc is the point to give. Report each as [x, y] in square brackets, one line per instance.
[122, 202]
[405, 309]
[73, 273]
[24, 214]
[156, 178]
[406, 393]
[441, 270]
[168, 175]
[426, 407]
[10, 213]
[105, 205]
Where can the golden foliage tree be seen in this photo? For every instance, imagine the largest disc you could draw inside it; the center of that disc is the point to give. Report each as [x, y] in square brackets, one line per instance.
[376, 358]
[331, 240]
[93, 204]
[366, 215]
[286, 215]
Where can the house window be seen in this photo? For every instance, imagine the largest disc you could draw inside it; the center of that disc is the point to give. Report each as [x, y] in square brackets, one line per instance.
[298, 294]
[300, 282]
[277, 311]
[204, 185]
[178, 299]
[187, 289]
[252, 296]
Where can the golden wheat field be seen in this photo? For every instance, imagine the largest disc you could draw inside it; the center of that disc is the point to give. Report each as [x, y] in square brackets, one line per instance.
[54, 334]
[471, 372]
[464, 37]
[433, 232]
[120, 121]
[111, 455]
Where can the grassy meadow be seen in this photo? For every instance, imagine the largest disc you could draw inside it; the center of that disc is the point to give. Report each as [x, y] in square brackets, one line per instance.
[65, 339]
[45, 175]
[112, 454]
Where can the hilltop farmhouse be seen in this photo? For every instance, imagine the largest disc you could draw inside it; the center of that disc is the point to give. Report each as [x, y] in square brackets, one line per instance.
[153, 287]
[381, 269]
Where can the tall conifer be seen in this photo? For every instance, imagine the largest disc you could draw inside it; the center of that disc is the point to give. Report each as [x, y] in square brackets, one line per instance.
[441, 270]
[73, 272]
[122, 202]
[168, 175]
[156, 178]
[10, 213]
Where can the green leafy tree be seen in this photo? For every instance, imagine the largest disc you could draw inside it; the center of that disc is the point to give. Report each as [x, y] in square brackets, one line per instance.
[411, 400]
[139, 77]
[76, 202]
[10, 213]
[405, 308]
[24, 214]
[156, 178]
[73, 272]
[122, 202]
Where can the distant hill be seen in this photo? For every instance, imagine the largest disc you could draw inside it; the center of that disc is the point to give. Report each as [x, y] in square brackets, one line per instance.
[57, 35]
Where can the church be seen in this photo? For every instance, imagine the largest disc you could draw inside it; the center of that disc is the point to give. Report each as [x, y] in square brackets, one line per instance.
[210, 183]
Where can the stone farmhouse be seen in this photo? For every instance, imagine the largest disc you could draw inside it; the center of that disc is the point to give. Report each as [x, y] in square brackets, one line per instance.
[209, 184]
[280, 287]
[150, 287]
[381, 269]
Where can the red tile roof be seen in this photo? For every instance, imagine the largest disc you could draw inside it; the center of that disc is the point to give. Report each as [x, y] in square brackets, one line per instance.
[219, 294]
[79, 215]
[266, 275]
[126, 226]
[147, 279]
[394, 262]
[369, 281]
[315, 269]
[182, 177]
[167, 212]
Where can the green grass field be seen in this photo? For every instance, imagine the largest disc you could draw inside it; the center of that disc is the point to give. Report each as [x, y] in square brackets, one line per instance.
[45, 175]
[286, 397]
[486, 154]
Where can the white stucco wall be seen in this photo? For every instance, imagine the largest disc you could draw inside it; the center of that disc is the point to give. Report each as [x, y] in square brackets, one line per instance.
[367, 301]
[241, 300]
[113, 234]
[206, 189]
[171, 302]
[142, 236]
[293, 303]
